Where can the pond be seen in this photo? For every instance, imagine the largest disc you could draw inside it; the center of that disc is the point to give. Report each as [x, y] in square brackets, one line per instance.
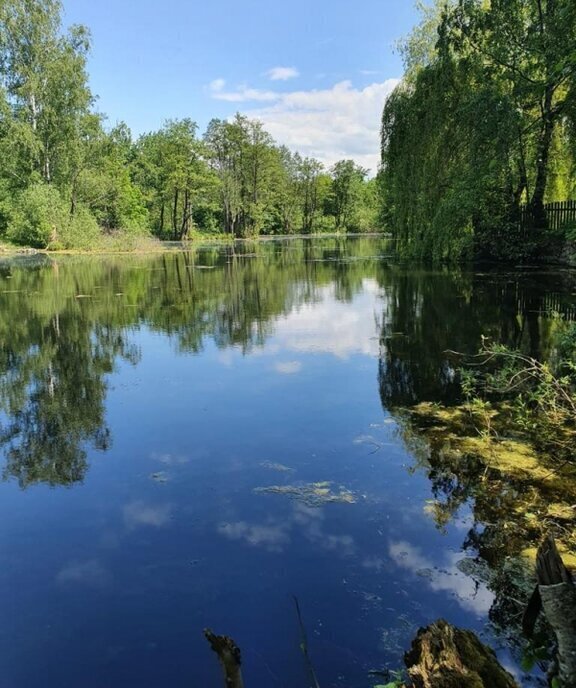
[196, 438]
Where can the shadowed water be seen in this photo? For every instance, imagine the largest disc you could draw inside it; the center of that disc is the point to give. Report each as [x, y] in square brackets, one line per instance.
[146, 400]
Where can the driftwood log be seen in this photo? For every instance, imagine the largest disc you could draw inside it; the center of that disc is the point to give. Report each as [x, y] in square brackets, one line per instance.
[230, 659]
[443, 656]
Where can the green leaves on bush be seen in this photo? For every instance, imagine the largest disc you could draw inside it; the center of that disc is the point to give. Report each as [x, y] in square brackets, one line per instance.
[42, 219]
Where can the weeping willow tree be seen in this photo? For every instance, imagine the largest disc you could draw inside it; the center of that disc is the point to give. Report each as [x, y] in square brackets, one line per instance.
[482, 123]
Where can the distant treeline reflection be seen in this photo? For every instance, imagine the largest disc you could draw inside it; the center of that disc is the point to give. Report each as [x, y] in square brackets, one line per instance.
[64, 323]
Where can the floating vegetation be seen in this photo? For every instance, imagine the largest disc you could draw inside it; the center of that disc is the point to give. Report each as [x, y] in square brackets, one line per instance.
[159, 477]
[279, 467]
[519, 492]
[452, 431]
[311, 494]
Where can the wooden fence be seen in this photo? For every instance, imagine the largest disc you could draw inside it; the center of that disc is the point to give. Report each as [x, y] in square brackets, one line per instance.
[559, 303]
[559, 215]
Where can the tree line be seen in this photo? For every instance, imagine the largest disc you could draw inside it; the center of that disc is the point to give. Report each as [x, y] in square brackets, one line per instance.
[483, 123]
[66, 179]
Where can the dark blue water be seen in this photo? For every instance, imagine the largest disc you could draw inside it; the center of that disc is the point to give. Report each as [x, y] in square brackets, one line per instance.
[145, 399]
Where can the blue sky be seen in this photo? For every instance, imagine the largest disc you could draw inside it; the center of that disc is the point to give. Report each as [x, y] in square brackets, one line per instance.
[316, 73]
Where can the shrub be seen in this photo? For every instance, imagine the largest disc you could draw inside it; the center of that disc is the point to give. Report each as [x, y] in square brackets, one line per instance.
[41, 218]
[38, 216]
[80, 231]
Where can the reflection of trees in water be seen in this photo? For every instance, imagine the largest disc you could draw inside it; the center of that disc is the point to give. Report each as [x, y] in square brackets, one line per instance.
[428, 314]
[63, 325]
[424, 317]
[54, 398]
[510, 513]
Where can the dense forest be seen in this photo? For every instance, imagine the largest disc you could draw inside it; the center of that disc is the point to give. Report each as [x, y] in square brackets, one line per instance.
[478, 137]
[482, 130]
[66, 179]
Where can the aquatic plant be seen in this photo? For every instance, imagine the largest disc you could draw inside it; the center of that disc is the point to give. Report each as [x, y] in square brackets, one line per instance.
[312, 494]
[535, 399]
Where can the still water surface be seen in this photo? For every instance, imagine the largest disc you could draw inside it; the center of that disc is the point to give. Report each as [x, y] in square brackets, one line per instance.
[145, 400]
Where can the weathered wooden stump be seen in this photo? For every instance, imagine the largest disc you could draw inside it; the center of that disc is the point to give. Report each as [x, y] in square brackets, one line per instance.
[443, 656]
[555, 595]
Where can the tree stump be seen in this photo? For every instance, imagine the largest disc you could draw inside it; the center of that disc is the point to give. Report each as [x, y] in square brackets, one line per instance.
[443, 656]
[558, 599]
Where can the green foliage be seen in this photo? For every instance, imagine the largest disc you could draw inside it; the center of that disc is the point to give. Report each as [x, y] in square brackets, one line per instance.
[68, 173]
[346, 193]
[541, 396]
[533, 654]
[81, 231]
[478, 127]
[41, 218]
[398, 679]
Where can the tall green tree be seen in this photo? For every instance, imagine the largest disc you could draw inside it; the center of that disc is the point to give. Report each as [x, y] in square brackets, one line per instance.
[43, 74]
[172, 169]
[310, 191]
[480, 126]
[528, 46]
[286, 201]
[244, 157]
[347, 193]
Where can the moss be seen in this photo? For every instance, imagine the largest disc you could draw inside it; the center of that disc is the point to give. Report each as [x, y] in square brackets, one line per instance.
[561, 511]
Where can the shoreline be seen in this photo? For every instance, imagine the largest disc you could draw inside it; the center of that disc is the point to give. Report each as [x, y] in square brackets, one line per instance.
[158, 246]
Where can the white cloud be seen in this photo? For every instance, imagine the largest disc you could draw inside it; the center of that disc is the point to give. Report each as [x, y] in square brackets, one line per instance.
[241, 94]
[471, 595]
[270, 536]
[331, 326]
[282, 73]
[288, 368]
[169, 459]
[140, 514]
[217, 85]
[328, 124]
[276, 534]
[90, 573]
